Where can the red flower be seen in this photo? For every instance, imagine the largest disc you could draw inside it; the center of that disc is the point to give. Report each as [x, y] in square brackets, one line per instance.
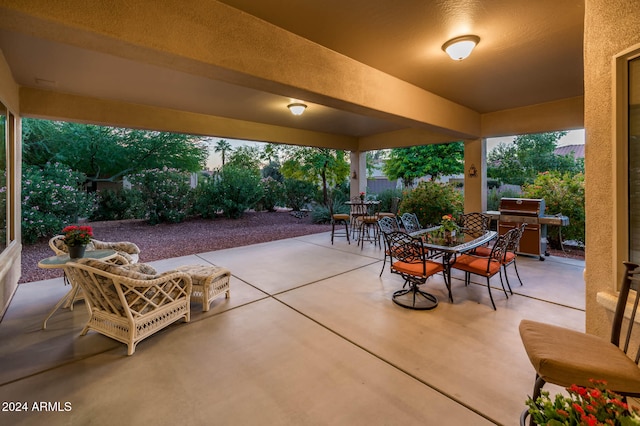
[77, 235]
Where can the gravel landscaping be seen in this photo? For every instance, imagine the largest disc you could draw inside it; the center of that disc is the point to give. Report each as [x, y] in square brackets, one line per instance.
[180, 239]
[195, 236]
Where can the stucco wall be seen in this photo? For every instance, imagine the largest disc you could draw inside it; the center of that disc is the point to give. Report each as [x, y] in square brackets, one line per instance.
[611, 26]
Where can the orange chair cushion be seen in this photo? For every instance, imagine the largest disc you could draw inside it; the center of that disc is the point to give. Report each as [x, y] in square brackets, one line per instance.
[340, 216]
[477, 265]
[483, 251]
[415, 269]
[564, 357]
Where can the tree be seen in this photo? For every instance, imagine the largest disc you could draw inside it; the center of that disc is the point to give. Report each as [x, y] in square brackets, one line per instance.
[414, 162]
[222, 146]
[247, 157]
[521, 162]
[108, 153]
[319, 166]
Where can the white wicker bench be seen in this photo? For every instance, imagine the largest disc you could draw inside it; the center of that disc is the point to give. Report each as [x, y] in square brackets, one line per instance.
[208, 283]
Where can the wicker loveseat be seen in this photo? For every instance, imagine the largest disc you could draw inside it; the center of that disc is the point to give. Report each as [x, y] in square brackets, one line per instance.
[128, 304]
[127, 252]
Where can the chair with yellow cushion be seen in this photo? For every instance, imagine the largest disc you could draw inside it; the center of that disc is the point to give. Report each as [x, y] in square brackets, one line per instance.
[337, 218]
[564, 357]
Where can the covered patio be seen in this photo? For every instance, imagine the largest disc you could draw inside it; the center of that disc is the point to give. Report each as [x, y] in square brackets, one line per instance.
[309, 336]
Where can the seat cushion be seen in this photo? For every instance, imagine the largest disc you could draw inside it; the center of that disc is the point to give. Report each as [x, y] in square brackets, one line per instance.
[483, 251]
[477, 265]
[564, 357]
[415, 269]
[340, 216]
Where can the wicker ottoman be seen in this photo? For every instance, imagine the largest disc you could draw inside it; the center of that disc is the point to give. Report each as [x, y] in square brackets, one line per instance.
[208, 282]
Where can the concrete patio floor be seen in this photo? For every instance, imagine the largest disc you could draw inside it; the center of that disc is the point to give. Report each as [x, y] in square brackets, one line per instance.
[309, 336]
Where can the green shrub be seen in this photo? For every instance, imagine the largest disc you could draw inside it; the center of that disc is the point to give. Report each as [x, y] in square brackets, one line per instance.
[238, 189]
[299, 193]
[118, 205]
[52, 197]
[206, 199]
[493, 183]
[272, 194]
[562, 194]
[432, 200]
[386, 199]
[166, 194]
[496, 194]
[322, 214]
[233, 190]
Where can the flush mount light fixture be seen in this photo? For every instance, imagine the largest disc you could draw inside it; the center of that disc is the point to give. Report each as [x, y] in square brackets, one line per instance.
[297, 108]
[460, 47]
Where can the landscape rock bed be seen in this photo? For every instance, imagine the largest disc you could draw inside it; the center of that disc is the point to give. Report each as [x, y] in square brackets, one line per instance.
[165, 240]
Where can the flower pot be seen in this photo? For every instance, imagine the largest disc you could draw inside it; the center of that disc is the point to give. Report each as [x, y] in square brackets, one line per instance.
[449, 236]
[76, 252]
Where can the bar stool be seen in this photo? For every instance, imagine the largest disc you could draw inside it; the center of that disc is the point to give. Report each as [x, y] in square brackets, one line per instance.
[369, 230]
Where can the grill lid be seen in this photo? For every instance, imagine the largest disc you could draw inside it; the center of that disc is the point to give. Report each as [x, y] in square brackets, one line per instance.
[522, 206]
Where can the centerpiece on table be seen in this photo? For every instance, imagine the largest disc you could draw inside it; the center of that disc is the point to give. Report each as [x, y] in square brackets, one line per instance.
[448, 228]
[362, 194]
[583, 406]
[76, 239]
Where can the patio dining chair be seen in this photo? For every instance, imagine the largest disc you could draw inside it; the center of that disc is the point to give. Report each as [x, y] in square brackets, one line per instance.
[409, 260]
[410, 222]
[565, 357]
[387, 225]
[510, 256]
[474, 222]
[485, 266]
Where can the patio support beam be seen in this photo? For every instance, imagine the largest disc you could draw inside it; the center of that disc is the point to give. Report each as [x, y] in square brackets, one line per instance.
[358, 173]
[475, 175]
[61, 106]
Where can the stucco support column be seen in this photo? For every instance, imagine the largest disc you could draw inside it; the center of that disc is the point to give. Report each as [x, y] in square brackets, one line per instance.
[358, 173]
[475, 175]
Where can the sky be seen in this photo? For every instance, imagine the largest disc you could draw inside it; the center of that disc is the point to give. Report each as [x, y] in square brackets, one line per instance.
[573, 137]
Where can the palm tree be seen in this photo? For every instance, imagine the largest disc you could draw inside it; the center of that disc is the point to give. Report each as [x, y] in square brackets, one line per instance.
[222, 147]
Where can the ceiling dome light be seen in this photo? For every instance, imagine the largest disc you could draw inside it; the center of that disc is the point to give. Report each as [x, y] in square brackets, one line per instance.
[297, 108]
[460, 47]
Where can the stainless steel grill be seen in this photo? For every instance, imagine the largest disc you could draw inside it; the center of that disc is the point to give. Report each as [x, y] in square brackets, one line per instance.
[514, 211]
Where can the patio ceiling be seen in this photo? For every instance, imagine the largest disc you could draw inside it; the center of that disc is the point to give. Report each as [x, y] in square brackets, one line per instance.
[530, 53]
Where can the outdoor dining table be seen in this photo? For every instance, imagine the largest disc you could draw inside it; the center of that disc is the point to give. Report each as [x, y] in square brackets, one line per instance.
[449, 248]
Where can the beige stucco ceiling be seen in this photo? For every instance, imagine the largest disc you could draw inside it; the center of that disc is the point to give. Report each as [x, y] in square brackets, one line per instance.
[530, 53]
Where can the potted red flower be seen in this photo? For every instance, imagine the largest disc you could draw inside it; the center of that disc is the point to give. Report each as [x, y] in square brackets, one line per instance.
[583, 406]
[76, 239]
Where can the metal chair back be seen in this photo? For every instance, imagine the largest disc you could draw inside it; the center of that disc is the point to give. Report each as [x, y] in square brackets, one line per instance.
[410, 222]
